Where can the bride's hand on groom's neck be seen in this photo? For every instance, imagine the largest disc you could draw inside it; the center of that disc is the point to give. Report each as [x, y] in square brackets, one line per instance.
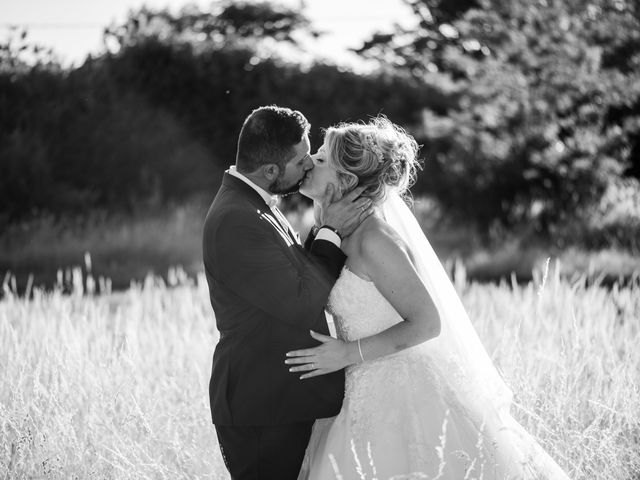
[343, 214]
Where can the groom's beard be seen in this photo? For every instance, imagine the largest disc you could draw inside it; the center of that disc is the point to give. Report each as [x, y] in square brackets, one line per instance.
[279, 188]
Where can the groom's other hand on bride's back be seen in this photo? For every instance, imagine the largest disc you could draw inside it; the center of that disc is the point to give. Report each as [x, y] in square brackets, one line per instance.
[342, 214]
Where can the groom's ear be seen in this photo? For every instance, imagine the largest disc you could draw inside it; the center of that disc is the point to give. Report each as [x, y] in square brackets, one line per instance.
[270, 171]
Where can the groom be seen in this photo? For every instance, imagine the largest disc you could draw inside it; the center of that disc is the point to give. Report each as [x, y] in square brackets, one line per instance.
[267, 292]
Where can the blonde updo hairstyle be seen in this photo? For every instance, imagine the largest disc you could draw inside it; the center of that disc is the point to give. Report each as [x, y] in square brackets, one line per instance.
[379, 155]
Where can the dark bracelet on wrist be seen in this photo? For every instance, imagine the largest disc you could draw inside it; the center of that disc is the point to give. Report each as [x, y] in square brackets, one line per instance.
[334, 230]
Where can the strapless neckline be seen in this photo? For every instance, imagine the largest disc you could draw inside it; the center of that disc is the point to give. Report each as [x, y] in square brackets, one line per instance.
[348, 270]
[358, 308]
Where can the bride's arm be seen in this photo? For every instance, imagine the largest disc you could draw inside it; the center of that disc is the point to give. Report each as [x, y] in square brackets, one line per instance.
[389, 267]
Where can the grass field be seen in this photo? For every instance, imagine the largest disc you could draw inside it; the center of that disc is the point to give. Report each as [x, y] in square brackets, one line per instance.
[115, 386]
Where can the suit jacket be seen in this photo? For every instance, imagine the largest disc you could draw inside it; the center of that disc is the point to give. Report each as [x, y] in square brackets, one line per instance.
[267, 292]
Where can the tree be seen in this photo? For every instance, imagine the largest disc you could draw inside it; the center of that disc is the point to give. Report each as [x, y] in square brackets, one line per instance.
[156, 119]
[544, 103]
[249, 25]
[19, 54]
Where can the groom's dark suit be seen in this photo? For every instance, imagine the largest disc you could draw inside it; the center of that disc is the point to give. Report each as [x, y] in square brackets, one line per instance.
[267, 292]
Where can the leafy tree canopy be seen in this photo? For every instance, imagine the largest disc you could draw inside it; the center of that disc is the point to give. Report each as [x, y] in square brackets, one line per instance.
[226, 23]
[545, 102]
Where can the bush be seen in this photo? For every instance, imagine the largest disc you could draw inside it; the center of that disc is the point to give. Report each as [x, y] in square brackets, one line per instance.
[545, 105]
[158, 122]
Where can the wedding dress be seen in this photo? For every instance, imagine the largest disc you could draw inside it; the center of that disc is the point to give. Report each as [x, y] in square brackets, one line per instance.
[438, 410]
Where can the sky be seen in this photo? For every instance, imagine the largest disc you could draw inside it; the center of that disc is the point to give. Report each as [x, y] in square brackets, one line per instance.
[73, 28]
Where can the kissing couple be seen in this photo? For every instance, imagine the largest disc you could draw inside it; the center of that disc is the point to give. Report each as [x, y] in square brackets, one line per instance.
[405, 389]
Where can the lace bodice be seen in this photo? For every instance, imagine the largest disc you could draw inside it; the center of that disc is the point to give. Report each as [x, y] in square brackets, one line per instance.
[359, 310]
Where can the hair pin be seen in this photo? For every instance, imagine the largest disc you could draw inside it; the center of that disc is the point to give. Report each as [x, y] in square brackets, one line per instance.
[372, 146]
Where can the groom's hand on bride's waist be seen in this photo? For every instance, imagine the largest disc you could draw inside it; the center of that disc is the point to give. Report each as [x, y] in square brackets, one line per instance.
[345, 214]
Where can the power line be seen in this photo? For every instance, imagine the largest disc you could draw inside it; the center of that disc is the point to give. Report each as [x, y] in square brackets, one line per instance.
[69, 26]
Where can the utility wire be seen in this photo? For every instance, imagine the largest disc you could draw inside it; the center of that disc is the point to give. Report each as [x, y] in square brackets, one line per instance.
[70, 26]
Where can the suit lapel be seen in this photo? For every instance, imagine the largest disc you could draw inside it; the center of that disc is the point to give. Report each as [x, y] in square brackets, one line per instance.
[282, 220]
[286, 236]
[262, 209]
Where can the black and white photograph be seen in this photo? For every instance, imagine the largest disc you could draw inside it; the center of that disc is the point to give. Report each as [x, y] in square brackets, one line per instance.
[320, 239]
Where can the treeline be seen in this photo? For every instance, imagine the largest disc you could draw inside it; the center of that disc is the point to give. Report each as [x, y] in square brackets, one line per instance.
[158, 122]
[529, 113]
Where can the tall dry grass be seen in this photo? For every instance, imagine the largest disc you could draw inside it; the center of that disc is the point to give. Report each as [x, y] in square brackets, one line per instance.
[112, 386]
[115, 386]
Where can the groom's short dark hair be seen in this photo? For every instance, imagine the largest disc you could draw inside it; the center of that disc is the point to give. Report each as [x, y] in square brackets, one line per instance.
[268, 136]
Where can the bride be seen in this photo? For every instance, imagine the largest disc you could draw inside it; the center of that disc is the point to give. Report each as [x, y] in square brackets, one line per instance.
[422, 397]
